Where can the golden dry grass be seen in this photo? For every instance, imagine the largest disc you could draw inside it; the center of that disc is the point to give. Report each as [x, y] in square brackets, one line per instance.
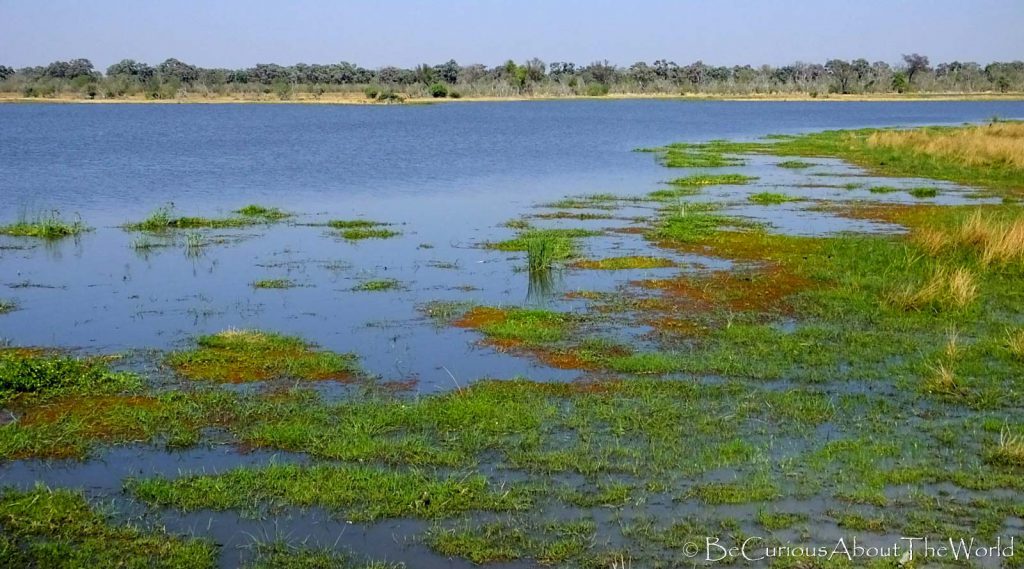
[946, 288]
[1015, 343]
[994, 241]
[996, 144]
[1010, 449]
[942, 380]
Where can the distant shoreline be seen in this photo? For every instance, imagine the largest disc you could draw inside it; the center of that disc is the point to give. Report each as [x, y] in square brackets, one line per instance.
[359, 99]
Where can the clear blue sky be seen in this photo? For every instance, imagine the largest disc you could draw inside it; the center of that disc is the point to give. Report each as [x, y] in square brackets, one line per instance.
[239, 33]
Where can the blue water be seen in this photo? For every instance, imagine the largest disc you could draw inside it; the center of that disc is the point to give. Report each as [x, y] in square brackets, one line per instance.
[112, 162]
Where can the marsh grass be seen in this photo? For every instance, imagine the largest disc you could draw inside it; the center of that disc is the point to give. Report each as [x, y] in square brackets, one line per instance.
[795, 164]
[263, 213]
[361, 233]
[997, 144]
[378, 285]
[688, 223]
[59, 528]
[363, 493]
[273, 284]
[770, 198]
[353, 223]
[251, 355]
[686, 155]
[44, 226]
[699, 180]
[624, 263]
[923, 192]
[30, 373]
[990, 155]
[1009, 450]
[545, 248]
[164, 219]
[7, 306]
[995, 240]
[282, 555]
[1015, 343]
[944, 289]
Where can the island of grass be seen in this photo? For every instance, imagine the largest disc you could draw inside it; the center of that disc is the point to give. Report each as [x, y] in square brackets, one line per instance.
[771, 198]
[273, 284]
[378, 285]
[49, 226]
[624, 263]
[7, 306]
[692, 185]
[359, 229]
[163, 219]
[237, 356]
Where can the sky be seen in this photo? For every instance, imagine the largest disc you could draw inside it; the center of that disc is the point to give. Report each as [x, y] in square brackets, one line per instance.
[241, 33]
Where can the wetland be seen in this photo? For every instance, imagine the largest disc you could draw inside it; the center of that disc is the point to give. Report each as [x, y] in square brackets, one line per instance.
[569, 334]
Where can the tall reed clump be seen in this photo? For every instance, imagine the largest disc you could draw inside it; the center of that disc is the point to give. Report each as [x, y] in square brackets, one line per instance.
[1009, 450]
[945, 288]
[994, 241]
[544, 251]
[941, 378]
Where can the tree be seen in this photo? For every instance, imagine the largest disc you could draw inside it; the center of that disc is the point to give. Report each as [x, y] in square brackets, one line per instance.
[174, 69]
[5, 72]
[448, 72]
[916, 63]
[69, 69]
[842, 73]
[642, 74]
[131, 69]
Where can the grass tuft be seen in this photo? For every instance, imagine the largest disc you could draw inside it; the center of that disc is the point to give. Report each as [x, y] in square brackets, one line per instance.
[378, 285]
[273, 283]
[48, 226]
[770, 198]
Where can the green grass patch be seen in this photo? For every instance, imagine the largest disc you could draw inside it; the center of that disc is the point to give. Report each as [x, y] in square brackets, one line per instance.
[7, 306]
[770, 198]
[49, 226]
[262, 213]
[545, 248]
[353, 223]
[884, 189]
[924, 192]
[164, 219]
[58, 528]
[273, 283]
[361, 233]
[699, 180]
[624, 263]
[253, 355]
[30, 373]
[378, 285]
[362, 493]
[281, 555]
[685, 155]
[795, 164]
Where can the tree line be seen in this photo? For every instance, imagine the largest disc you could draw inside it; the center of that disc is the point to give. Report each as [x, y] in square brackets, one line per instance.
[173, 78]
